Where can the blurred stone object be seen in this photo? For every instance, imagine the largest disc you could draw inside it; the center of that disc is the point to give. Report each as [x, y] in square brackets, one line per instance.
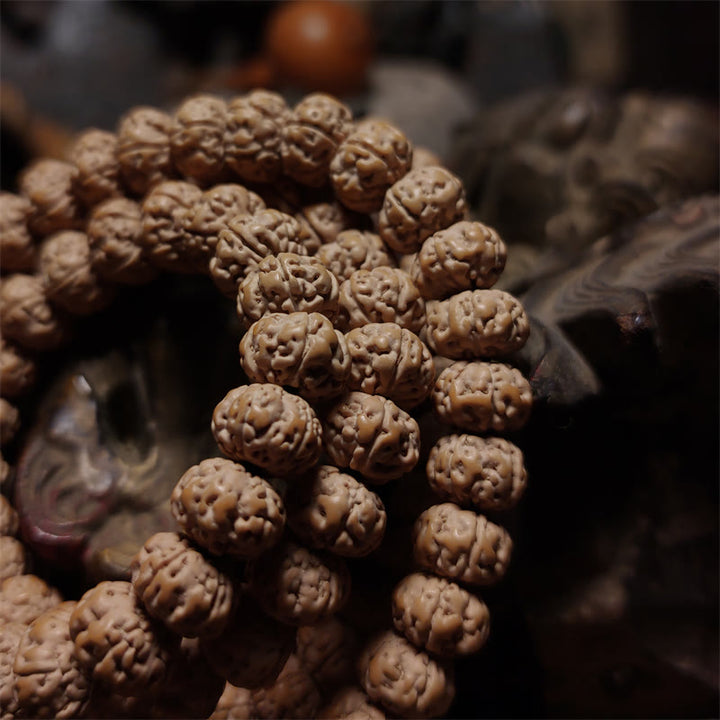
[554, 170]
[119, 427]
[422, 97]
[645, 296]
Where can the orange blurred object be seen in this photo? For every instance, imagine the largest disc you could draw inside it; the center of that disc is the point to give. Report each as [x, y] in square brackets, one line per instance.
[319, 45]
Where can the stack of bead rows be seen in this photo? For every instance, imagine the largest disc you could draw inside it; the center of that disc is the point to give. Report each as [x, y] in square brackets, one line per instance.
[357, 278]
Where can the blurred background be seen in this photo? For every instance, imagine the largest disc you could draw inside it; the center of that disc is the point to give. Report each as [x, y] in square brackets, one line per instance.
[587, 134]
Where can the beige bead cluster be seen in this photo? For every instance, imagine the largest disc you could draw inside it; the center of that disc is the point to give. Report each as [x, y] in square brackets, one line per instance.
[355, 273]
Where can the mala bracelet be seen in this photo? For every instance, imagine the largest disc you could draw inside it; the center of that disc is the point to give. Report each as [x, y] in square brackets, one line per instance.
[356, 276]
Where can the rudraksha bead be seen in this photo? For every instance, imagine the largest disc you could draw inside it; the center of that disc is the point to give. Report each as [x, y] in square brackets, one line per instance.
[17, 247]
[94, 154]
[354, 250]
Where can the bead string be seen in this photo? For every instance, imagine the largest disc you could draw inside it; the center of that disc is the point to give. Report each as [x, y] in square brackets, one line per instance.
[318, 287]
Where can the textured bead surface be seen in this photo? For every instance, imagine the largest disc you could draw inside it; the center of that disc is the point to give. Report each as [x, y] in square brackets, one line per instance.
[465, 256]
[197, 138]
[246, 240]
[227, 510]
[10, 637]
[477, 323]
[331, 510]
[181, 587]
[48, 185]
[381, 294]
[94, 154]
[9, 421]
[328, 650]
[439, 615]
[372, 435]
[314, 130]
[300, 350]
[165, 238]
[13, 557]
[461, 545]
[287, 283]
[351, 701]
[143, 149]
[293, 695]
[68, 275]
[323, 222]
[116, 640]
[354, 250]
[25, 597]
[253, 136]
[49, 680]
[235, 703]
[367, 163]
[405, 680]
[25, 314]
[426, 200]
[487, 473]
[9, 520]
[114, 231]
[214, 209]
[482, 396]
[391, 361]
[252, 649]
[299, 586]
[17, 248]
[265, 425]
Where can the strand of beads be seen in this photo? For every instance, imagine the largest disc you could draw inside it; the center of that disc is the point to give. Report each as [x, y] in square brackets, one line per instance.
[301, 216]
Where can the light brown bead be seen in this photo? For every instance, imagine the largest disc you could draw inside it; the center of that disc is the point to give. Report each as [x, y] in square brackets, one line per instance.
[253, 136]
[300, 350]
[482, 396]
[114, 232]
[381, 294]
[117, 642]
[235, 703]
[404, 680]
[354, 250]
[323, 222]
[391, 361]
[293, 695]
[25, 597]
[299, 586]
[287, 283]
[9, 520]
[49, 680]
[252, 649]
[17, 247]
[351, 701]
[246, 240]
[487, 473]
[25, 314]
[311, 136]
[477, 323]
[13, 557]
[12, 633]
[197, 138]
[191, 688]
[69, 279]
[166, 212]
[215, 208]
[465, 256]
[422, 157]
[48, 185]
[331, 510]
[424, 201]
[267, 426]
[439, 615]
[328, 650]
[94, 154]
[5, 472]
[181, 587]
[17, 370]
[226, 510]
[372, 435]
[143, 148]
[367, 163]
[9, 421]
[461, 545]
